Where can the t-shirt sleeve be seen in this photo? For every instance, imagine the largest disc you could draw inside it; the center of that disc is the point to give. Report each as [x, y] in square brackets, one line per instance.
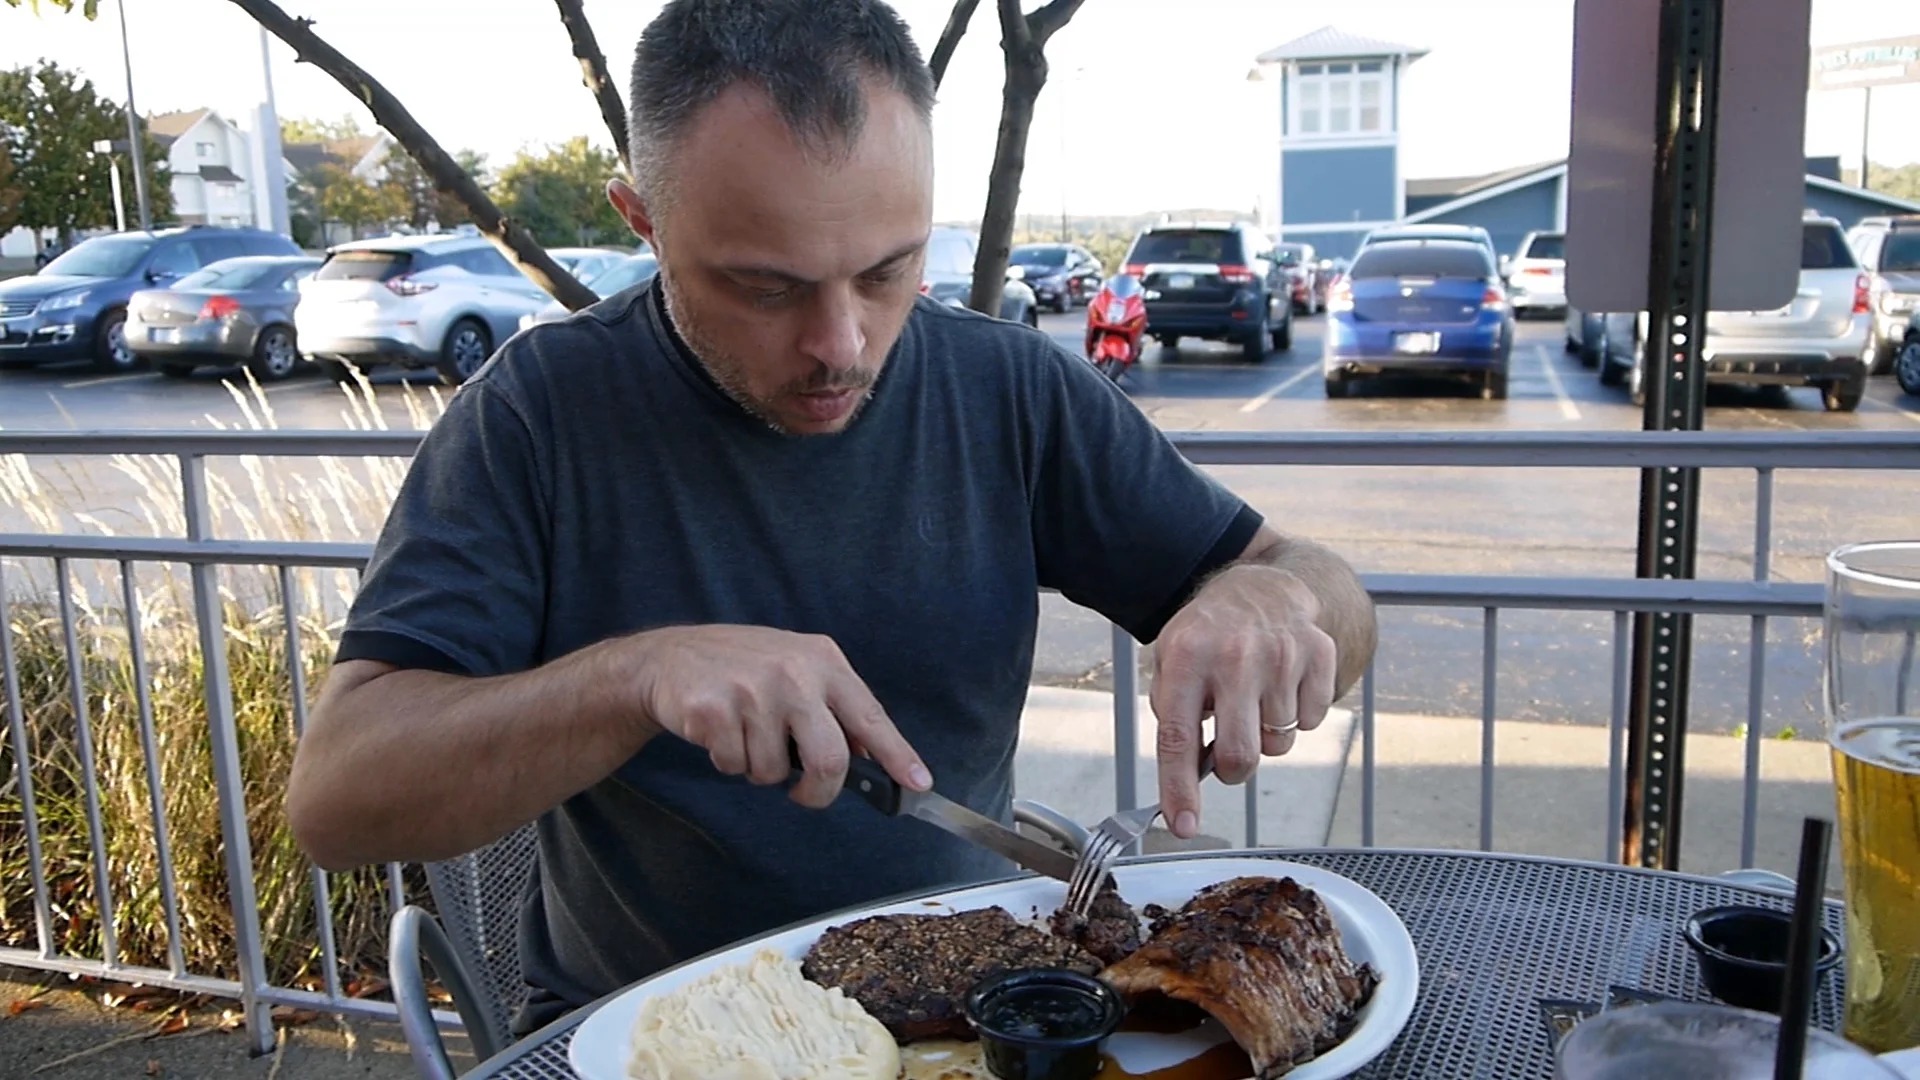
[457, 582]
[1123, 523]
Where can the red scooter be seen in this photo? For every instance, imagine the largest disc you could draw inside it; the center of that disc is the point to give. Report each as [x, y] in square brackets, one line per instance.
[1116, 321]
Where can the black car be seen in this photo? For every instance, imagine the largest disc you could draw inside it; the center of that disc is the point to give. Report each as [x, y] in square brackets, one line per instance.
[1060, 275]
[1221, 282]
[75, 307]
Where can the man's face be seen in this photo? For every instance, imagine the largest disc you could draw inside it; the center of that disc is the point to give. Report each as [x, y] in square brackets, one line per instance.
[789, 273]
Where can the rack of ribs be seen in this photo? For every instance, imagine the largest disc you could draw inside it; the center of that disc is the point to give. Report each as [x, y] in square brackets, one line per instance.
[1262, 956]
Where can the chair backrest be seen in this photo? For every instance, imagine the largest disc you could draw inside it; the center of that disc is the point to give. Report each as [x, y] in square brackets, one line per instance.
[478, 897]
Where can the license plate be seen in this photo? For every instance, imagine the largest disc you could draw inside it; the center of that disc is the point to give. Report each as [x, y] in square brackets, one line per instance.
[1422, 343]
[1117, 311]
[163, 335]
[1180, 281]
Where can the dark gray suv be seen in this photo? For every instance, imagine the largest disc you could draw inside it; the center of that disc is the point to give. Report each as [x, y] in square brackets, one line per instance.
[1219, 281]
[75, 307]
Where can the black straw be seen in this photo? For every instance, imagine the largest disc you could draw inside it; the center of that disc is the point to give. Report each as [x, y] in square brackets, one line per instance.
[1803, 948]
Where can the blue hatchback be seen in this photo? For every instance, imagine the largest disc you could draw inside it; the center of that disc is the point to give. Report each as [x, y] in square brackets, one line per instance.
[1419, 307]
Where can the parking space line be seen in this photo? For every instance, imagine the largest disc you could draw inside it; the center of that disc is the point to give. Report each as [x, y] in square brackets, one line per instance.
[1567, 408]
[105, 379]
[1254, 404]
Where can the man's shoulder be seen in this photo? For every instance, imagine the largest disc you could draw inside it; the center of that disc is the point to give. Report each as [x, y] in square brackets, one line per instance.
[577, 353]
[975, 345]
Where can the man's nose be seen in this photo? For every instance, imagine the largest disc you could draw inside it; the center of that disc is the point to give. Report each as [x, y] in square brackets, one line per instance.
[832, 334]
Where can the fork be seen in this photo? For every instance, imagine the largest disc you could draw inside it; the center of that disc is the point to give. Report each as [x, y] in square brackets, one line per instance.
[1105, 843]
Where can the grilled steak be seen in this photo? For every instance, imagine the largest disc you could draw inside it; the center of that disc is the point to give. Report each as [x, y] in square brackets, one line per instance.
[912, 972]
[1110, 931]
[1263, 957]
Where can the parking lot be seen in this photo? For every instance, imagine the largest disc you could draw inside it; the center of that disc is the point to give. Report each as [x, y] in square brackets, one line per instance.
[1524, 521]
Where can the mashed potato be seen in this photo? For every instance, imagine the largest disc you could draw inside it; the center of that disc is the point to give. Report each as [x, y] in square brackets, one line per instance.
[759, 1021]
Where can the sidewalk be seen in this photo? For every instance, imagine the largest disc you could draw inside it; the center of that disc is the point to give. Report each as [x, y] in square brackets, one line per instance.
[1549, 799]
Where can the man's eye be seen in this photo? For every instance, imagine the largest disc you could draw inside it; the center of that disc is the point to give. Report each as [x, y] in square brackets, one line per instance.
[767, 296]
[882, 277]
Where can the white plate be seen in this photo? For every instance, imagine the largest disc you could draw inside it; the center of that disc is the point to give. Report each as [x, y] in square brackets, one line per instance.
[1370, 930]
[1904, 1062]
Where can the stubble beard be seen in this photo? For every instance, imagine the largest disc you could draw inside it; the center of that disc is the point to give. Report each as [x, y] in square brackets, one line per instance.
[729, 372]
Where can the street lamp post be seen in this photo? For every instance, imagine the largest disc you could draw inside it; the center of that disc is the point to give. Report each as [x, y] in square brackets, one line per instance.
[133, 129]
[105, 147]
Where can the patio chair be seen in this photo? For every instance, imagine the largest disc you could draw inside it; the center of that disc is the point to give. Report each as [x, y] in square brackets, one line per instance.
[477, 953]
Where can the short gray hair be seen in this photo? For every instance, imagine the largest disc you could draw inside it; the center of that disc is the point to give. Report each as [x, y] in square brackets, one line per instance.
[810, 57]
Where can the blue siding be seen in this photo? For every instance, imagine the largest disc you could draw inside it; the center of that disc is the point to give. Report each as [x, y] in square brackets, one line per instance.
[1330, 186]
[1328, 245]
[1509, 217]
[1850, 207]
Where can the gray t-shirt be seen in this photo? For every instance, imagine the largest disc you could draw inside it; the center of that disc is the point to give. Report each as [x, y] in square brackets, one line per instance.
[592, 481]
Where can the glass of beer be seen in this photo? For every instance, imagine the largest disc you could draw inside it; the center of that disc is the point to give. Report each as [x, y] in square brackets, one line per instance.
[1873, 728]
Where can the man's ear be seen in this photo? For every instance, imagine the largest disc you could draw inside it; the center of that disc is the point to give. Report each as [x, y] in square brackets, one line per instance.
[633, 210]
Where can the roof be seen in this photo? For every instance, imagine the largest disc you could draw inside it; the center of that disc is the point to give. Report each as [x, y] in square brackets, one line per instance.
[1453, 187]
[169, 126]
[219, 174]
[412, 243]
[1330, 42]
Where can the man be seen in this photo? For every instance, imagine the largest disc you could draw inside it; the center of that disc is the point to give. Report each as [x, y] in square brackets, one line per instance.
[777, 495]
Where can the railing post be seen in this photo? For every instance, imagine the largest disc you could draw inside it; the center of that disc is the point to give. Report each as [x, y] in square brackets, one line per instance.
[23, 774]
[1126, 720]
[1674, 380]
[229, 782]
[1756, 668]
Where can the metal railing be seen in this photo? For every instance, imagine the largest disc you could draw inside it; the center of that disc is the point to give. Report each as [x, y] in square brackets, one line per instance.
[1758, 599]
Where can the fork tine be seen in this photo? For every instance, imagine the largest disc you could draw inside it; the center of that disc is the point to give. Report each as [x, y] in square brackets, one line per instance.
[1091, 872]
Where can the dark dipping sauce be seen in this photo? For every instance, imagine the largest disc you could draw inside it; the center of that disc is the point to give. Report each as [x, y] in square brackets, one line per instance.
[1044, 1024]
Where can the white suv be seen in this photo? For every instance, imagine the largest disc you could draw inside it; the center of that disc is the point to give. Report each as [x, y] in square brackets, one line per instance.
[418, 301]
[1821, 338]
[1537, 274]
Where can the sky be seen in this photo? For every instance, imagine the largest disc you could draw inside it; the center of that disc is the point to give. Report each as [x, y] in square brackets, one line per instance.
[1149, 106]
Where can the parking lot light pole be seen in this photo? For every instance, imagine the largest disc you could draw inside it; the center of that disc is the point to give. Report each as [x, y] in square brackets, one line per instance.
[104, 147]
[133, 129]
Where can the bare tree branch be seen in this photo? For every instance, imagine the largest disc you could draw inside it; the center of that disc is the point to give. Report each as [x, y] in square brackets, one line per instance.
[956, 28]
[510, 236]
[1043, 23]
[1015, 34]
[593, 72]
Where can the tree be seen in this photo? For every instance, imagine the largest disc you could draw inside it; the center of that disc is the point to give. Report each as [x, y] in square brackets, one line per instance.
[10, 195]
[561, 194]
[423, 206]
[355, 202]
[1023, 43]
[55, 117]
[302, 129]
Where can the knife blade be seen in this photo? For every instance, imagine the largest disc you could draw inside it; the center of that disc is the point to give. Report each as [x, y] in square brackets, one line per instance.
[868, 780]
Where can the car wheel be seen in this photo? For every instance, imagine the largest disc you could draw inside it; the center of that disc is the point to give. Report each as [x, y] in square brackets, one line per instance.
[463, 352]
[1283, 337]
[1339, 386]
[274, 354]
[1494, 387]
[1254, 347]
[1637, 385]
[338, 371]
[1845, 395]
[1906, 366]
[1611, 374]
[110, 349]
[1168, 341]
[176, 370]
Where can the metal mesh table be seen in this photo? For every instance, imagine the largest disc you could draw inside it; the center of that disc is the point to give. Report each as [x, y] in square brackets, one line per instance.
[1495, 934]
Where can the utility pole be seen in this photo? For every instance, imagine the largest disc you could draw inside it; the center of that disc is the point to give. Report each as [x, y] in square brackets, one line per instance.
[133, 129]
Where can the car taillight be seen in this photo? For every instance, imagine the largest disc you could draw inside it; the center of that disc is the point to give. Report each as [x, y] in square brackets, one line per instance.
[406, 286]
[1862, 299]
[219, 307]
[1493, 297]
[1340, 297]
[1237, 275]
[1536, 271]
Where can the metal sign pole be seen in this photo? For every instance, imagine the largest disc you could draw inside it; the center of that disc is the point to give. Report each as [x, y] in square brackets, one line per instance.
[1674, 377]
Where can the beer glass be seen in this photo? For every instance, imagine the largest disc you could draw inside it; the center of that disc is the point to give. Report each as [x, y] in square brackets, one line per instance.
[1873, 728]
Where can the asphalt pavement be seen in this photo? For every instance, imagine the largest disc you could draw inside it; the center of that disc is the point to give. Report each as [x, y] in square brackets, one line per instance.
[1553, 667]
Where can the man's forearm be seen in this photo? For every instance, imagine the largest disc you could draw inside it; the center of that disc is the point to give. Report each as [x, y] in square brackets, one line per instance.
[1346, 611]
[416, 765]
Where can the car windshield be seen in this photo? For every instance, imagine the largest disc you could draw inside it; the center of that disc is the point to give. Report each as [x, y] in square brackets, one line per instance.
[102, 257]
[1824, 247]
[1123, 285]
[1041, 256]
[1289, 255]
[1902, 251]
[364, 266]
[1419, 260]
[624, 275]
[232, 274]
[1215, 246]
[1547, 247]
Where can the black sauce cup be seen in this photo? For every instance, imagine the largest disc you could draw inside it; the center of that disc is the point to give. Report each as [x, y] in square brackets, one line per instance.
[1743, 954]
[1043, 1023]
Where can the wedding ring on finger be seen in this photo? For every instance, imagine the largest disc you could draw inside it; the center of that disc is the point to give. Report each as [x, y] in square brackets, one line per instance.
[1282, 729]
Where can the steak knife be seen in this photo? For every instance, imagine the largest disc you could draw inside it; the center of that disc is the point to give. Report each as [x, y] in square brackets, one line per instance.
[867, 779]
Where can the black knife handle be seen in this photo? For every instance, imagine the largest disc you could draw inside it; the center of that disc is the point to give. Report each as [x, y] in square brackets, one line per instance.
[865, 778]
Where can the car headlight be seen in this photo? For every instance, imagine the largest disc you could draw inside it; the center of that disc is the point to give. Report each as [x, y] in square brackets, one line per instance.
[64, 301]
